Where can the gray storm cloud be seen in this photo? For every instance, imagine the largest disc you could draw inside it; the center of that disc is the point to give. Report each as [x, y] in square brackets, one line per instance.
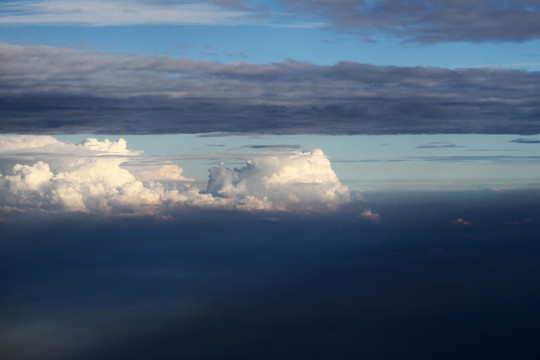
[89, 178]
[430, 21]
[53, 91]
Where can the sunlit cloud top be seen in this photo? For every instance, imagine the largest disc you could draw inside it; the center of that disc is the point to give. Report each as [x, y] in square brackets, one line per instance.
[89, 177]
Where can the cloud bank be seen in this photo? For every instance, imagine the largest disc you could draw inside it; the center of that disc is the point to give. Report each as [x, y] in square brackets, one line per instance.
[53, 91]
[430, 21]
[91, 179]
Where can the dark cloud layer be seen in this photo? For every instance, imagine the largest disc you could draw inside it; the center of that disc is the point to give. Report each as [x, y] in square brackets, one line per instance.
[431, 21]
[50, 90]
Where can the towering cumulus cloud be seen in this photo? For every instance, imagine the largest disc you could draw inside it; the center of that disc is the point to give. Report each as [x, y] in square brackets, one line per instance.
[89, 177]
[298, 178]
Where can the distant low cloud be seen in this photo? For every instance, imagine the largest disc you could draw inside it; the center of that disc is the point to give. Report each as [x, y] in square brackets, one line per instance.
[438, 145]
[526, 141]
[369, 215]
[277, 146]
[53, 91]
[90, 178]
[461, 222]
[430, 21]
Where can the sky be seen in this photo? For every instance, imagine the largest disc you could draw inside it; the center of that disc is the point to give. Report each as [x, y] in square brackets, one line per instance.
[299, 74]
[263, 179]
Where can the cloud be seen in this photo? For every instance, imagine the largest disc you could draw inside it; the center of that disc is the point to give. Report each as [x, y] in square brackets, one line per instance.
[521, 222]
[278, 146]
[58, 155]
[115, 13]
[25, 142]
[301, 178]
[367, 214]
[164, 172]
[52, 91]
[461, 222]
[513, 65]
[438, 145]
[525, 141]
[487, 158]
[93, 183]
[424, 21]
[430, 21]
[106, 146]
[21, 145]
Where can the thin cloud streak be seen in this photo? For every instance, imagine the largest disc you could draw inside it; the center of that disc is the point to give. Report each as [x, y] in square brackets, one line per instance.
[117, 13]
[525, 141]
[277, 146]
[439, 145]
[59, 91]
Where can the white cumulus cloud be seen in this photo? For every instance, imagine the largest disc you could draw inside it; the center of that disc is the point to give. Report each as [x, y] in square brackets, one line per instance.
[297, 178]
[169, 172]
[461, 222]
[106, 146]
[89, 185]
[367, 214]
[90, 177]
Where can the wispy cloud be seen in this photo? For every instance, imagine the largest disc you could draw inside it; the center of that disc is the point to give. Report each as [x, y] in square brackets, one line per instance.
[439, 145]
[276, 146]
[526, 141]
[49, 90]
[115, 13]
[487, 158]
[510, 65]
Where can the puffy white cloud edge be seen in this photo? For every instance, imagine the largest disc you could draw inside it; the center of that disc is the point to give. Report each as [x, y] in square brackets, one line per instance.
[89, 177]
